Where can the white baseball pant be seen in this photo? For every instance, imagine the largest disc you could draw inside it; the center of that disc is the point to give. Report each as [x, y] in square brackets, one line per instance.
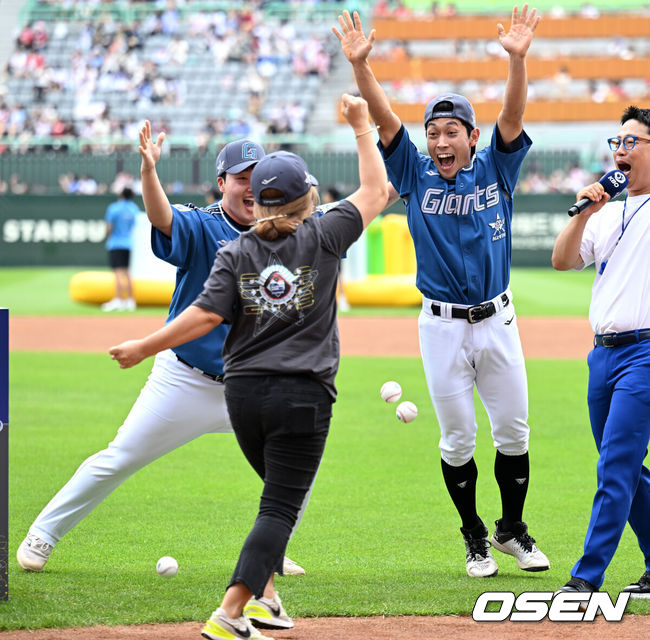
[176, 405]
[456, 356]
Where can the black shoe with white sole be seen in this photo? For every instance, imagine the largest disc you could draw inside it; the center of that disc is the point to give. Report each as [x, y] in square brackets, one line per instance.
[640, 589]
[577, 585]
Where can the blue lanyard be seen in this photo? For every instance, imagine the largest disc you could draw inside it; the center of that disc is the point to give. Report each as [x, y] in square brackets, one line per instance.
[623, 228]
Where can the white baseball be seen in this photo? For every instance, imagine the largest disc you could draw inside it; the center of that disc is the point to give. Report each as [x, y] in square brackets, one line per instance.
[406, 412]
[167, 567]
[391, 391]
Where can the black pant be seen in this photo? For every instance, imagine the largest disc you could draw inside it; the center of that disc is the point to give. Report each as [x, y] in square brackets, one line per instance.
[281, 424]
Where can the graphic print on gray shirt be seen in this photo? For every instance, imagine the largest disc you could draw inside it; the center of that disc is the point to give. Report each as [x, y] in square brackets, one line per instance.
[280, 297]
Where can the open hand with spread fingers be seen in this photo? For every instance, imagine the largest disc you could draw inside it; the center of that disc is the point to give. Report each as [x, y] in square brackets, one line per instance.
[522, 25]
[354, 43]
[150, 150]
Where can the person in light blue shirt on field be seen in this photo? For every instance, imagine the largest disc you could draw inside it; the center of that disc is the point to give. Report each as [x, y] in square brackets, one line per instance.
[120, 218]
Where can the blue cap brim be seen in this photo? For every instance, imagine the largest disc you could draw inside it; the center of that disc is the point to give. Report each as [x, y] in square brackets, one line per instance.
[242, 166]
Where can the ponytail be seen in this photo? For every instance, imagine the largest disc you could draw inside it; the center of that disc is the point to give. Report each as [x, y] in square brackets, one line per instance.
[282, 220]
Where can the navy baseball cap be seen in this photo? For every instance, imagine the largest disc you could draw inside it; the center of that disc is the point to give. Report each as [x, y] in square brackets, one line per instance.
[237, 156]
[450, 105]
[312, 178]
[283, 171]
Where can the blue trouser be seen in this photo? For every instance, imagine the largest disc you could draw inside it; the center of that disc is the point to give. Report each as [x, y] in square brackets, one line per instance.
[619, 410]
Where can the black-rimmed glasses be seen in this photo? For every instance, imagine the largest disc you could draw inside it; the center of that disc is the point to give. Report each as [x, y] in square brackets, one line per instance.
[629, 142]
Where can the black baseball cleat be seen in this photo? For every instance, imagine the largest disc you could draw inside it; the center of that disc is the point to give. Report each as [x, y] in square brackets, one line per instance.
[640, 589]
[577, 585]
[479, 562]
[518, 543]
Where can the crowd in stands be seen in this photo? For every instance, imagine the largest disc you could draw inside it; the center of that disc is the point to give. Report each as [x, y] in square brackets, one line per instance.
[568, 179]
[71, 66]
[113, 57]
[600, 90]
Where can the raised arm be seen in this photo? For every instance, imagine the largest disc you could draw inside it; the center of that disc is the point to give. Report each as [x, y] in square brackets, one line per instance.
[356, 48]
[372, 196]
[393, 196]
[516, 43]
[193, 323]
[155, 201]
[566, 250]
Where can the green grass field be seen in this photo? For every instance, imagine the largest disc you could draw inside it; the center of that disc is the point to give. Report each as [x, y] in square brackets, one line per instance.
[379, 537]
[538, 292]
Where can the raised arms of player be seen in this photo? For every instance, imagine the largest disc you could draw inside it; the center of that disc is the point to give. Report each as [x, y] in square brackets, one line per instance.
[372, 195]
[516, 43]
[193, 323]
[155, 201]
[356, 48]
[566, 250]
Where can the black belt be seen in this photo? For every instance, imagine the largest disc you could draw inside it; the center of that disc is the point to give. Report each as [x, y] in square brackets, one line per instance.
[472, 314]
[216, 378]
[625, 337]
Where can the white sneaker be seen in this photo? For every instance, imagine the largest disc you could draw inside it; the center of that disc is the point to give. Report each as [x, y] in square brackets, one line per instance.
[116, 304]
[221, 627]
[479, 562]
[522, 546]
[33, 553]
[268, 613]
[343, 304]
[291, 568]
[128, 304]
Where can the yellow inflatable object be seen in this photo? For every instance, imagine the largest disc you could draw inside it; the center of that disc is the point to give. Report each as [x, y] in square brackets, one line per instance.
[97, 287]
[383, 291]
[399, 252]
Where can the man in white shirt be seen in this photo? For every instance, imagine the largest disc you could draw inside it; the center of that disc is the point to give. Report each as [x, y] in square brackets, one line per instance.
[616, 238]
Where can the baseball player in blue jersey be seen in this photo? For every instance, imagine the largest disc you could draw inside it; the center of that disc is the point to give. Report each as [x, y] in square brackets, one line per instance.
[459, 210]
[184, 395]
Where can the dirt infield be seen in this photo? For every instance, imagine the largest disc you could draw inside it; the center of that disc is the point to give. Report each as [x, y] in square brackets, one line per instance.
[541, 338]
[396, 336]
[379, 628]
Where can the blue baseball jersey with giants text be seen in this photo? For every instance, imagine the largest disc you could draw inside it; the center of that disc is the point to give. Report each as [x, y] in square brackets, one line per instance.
[461, 229]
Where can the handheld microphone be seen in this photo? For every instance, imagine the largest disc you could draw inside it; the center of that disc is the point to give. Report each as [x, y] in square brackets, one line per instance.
[614, 183]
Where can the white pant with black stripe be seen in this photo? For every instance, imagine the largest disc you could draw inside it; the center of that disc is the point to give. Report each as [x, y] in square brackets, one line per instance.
[176, 405]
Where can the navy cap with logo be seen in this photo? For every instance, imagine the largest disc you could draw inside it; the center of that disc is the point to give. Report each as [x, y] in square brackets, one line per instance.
[284, 172]
[450, 105]
[237, 156]
[312, 178]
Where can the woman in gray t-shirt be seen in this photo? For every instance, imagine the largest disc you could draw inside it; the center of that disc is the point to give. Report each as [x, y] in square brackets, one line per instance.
[276, 286]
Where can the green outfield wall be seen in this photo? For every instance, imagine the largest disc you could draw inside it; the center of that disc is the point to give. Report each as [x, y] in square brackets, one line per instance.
[70, 230]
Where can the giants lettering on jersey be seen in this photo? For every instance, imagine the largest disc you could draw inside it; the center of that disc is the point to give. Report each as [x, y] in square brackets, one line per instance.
[436, 201]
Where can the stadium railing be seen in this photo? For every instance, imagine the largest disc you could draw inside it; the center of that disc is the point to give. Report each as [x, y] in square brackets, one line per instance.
[544, 105]
[466, 27]
[590, 67]
[192, 170]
